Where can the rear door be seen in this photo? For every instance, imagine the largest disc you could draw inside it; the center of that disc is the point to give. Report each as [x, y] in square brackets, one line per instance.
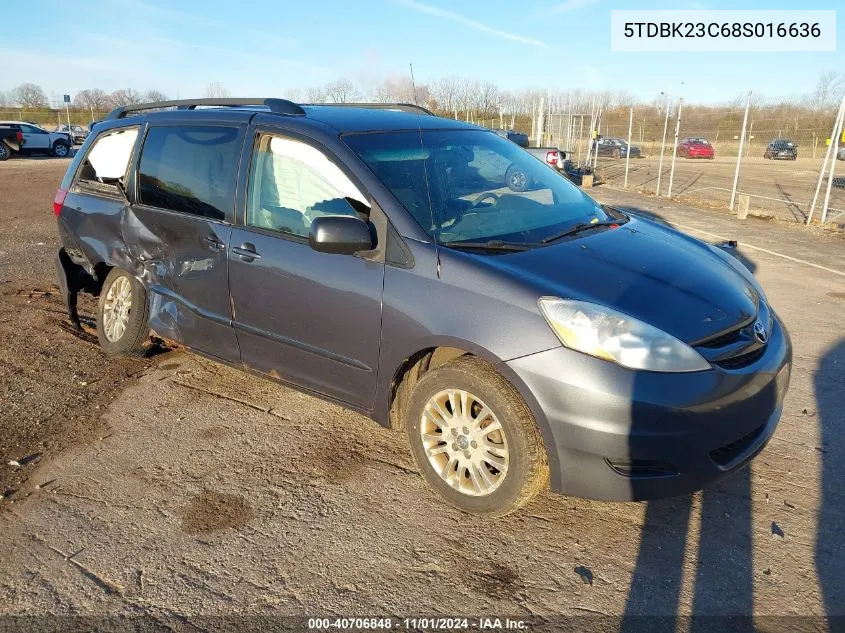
[34, 137]
[311, 318]
[178, 227]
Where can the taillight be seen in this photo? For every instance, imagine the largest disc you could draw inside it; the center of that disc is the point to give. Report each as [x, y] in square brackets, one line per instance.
[19, 136]
[551, 158]
[59, 201]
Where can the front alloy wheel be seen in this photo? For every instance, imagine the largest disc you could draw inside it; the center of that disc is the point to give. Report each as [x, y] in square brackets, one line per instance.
[464, 442]
[474, 439]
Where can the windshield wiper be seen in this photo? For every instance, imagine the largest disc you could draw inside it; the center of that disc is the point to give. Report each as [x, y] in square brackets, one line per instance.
[492, 245]
[578, 228]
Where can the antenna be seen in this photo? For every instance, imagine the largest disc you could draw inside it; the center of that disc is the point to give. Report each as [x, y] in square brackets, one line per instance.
[413, 84]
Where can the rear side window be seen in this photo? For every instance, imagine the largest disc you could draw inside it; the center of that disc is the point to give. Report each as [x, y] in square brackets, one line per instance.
[108, 159]
[190, 169]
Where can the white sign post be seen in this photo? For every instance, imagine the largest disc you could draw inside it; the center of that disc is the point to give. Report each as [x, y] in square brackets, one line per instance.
[67, 112]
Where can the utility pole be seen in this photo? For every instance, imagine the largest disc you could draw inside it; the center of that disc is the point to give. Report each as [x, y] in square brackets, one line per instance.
[663, 146]
[628, 151]
[739, 153]
[675, 153]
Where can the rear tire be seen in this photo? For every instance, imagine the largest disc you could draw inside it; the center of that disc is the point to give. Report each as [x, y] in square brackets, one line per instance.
[60, 149]
[122, 317]
[500, 461]
[5, 152]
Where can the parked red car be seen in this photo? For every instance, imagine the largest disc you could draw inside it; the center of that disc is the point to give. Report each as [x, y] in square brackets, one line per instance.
[696, 147]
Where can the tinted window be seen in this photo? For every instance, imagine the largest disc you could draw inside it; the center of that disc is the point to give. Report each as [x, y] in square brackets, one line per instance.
[474, 185]
[292, 182]
[190, 169]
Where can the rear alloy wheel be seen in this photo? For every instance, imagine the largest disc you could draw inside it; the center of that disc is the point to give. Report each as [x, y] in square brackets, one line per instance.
[122, 326]
[5, 152]
[474, 438]
[61, 149]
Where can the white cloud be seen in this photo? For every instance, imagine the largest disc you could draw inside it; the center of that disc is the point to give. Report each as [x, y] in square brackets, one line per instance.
[473, 24]
[565, 7]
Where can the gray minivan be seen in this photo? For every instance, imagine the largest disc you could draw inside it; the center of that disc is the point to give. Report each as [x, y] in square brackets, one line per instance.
[375, 256]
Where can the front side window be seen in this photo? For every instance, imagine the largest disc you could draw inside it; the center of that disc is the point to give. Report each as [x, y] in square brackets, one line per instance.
[472, 185]
[291, 183]
[190, 169]
[108, 159]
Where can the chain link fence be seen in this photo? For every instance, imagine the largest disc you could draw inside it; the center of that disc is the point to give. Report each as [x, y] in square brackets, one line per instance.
[780, 147]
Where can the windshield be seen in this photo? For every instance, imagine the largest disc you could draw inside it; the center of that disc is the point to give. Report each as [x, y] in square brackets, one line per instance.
[472, 185]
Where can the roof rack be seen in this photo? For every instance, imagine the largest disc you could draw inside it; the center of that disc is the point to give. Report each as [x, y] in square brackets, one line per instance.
[278, 106]
[404, 107]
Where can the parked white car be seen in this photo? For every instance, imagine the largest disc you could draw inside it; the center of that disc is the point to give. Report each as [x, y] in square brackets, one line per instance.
[37, 140]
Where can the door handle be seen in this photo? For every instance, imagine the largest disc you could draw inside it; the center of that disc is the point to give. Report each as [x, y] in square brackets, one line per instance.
[215, 243]
[246, 252]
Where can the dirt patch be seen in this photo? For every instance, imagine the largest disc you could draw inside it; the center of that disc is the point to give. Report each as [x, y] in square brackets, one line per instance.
[54, 380]
[500, 581]
[215, 511]
[836, 294]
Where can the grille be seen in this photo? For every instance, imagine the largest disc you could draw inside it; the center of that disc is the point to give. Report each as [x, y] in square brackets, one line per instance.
[729, 452]
[722, 340]
[742, 360]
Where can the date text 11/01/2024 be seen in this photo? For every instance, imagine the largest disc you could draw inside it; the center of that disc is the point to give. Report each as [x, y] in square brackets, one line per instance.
[416, 624]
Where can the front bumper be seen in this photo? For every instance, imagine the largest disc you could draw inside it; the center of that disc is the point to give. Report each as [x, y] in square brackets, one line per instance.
[616, 434]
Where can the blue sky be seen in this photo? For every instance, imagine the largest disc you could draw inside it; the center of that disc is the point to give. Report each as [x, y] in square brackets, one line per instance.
[263, 47]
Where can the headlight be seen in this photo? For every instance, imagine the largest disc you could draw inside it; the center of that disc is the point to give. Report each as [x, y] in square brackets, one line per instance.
[605, 333]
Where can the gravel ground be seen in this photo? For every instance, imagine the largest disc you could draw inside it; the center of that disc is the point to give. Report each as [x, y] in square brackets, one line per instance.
[782, 189]
[175, 488]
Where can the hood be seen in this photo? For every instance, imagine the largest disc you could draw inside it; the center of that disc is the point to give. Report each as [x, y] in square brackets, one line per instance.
[645, 270]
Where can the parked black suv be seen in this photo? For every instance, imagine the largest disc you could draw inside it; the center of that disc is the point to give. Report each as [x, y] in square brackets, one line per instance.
[376, 257]
[781, 149]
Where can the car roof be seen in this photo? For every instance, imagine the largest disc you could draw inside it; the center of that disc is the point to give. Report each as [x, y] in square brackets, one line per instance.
[342, 118]
[352, 119]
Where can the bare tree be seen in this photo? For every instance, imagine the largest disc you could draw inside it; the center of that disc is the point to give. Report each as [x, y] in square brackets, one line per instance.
[341, 91]
[217, 90]
[297, 95]
[154, 95]
[124, 96]
[4, 99]
[315, 94]
[444, 90]
[829, 89]
[92, 99]
[28, 95]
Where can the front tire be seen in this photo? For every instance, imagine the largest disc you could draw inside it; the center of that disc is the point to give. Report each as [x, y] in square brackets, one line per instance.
[474, 438]
[60, 149]
[122, 321]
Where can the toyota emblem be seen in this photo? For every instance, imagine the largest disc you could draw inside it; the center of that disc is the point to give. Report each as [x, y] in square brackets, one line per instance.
[760, 332]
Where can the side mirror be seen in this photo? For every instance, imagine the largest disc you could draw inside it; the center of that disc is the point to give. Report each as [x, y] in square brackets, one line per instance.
[340, 234]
